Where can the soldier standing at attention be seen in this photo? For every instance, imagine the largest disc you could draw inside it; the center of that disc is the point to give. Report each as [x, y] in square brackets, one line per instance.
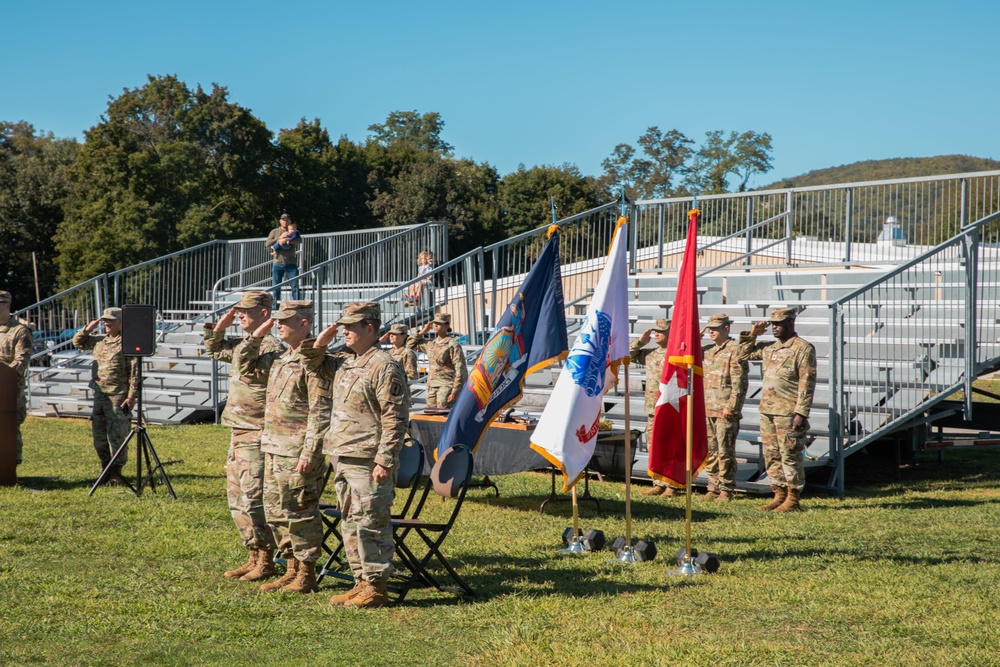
[296, 416]
[725, 390]
[446, 369]
[367, 428]
[653, 359]
[115, 383]
[15, 351]
[244, 413]
[787, 396]
[406, 357]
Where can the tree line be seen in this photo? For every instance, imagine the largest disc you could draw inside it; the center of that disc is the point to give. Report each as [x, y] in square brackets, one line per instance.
[169, 166]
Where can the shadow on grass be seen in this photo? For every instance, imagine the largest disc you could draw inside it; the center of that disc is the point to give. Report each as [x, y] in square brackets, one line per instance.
[610, 507]
[853, 555]
[500, 576]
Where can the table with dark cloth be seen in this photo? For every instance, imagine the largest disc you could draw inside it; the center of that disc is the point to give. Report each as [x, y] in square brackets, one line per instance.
[506, 449]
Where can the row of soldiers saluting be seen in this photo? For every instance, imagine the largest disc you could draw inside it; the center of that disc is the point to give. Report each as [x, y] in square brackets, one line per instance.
[290, 406]
[789, 369]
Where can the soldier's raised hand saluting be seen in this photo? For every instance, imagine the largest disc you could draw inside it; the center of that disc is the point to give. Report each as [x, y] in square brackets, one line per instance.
[326, 336]
[262, 330]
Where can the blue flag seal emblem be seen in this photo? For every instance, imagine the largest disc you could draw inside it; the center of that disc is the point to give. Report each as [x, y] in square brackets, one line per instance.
[588, 359]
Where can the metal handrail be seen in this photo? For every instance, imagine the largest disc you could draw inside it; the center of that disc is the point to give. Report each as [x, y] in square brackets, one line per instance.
[839, 410]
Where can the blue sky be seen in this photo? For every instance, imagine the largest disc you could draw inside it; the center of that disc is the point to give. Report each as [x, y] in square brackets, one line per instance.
[540, 82]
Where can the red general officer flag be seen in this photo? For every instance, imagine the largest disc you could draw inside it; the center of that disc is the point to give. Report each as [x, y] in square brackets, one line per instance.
[668, 449]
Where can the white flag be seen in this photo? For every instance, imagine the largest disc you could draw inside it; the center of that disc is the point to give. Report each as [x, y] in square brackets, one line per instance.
[567, 430]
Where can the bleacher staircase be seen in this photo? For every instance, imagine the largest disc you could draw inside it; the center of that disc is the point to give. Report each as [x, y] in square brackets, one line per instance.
[902, 310]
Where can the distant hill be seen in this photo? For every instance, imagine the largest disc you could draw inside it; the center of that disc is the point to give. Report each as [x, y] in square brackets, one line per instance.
[877, 170]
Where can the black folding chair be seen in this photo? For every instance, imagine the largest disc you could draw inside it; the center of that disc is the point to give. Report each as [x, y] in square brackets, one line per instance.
[450, 479]
[410, 468]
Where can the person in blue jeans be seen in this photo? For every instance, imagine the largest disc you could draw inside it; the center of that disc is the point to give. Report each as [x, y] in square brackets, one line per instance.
[283, 242]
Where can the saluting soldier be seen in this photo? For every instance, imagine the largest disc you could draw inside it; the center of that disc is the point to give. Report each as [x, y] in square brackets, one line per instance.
[725, 390]
[446, 369]
[653, 358]
[15, 351]
[296, 416]
[370, 411]
[115, 383]
[787, 396]
[407, 358]
[244, 413]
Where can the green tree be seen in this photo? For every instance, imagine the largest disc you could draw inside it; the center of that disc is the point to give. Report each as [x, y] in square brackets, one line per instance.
[651, 173]
[526, 195]
[323, 185]
[460, 192]
[421, 132]
[740, 155]
[166, 168]
[33, 185]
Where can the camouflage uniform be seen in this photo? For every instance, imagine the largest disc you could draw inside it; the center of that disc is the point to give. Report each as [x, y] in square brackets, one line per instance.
[652, 359]
[15, 351]
[296, 415]
[115, 378]
[725, 389]
[407, 359]
[789, 384]
[446, 369]
[245, 414]
[368, 425]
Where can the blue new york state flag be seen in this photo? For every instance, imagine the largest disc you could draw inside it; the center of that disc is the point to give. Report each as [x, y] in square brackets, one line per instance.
[530, 336]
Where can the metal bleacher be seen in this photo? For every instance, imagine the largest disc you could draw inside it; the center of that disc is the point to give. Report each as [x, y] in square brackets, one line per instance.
[896, 283]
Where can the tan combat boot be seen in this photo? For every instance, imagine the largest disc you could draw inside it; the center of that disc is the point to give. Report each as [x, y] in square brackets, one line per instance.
[713, 488]
[371, 597]
[725, 496]
[791, 503]
[290, 570]
[671, 492]
[264, 569]
[654, 491]
[780, 493]
[305, 579]
[341, 599]
[243, 569]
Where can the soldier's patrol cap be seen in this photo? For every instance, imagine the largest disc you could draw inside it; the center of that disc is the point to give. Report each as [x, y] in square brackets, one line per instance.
[111, 314]
[302, 308]
[719, 320]
[398, 329]
[254, 299]
[360, 311]
[5, 297]
[661, 325]
[782, 314]
[443, 318]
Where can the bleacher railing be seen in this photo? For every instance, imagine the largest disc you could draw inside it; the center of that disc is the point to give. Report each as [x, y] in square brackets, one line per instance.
[912, 337]
[822, 225]
[359, 274]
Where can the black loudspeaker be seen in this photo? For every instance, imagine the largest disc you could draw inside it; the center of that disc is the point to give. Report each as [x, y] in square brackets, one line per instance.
[138, 330]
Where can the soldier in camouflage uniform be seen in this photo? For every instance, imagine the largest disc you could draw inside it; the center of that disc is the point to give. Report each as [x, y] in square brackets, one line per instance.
[653, 359]
[725, 389]
[406, 357]
[15, 351]
[446, 369]
[370, 412]
[296, 416]
[115, 383]
[245, 414]
[789, 383]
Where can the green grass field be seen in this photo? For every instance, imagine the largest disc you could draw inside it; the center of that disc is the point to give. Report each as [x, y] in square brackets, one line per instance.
[900, 573]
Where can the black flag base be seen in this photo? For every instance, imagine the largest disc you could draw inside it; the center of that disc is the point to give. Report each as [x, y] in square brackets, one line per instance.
[687, 568]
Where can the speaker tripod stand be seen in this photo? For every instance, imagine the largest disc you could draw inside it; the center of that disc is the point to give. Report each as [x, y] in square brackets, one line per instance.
[143, 449]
